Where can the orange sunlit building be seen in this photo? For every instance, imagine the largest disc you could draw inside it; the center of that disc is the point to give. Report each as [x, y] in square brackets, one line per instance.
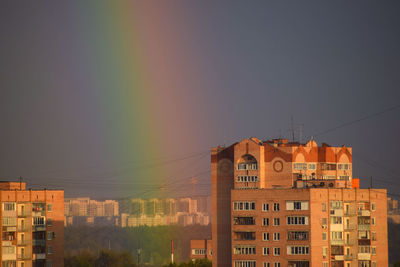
[32, 226]
[279, 203]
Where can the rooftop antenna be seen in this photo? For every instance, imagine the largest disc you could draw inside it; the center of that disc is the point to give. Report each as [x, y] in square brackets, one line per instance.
[193, 181]
[301, 132]
[292, 128]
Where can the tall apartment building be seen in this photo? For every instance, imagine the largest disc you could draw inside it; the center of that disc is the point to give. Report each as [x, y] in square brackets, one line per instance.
[32, 227]
[279, 203]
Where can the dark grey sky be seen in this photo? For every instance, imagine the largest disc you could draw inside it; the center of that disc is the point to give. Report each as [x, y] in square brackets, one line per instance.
[243, 69]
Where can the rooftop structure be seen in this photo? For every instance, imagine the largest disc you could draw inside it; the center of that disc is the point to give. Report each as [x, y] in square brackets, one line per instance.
[32, 226]
[280, 203]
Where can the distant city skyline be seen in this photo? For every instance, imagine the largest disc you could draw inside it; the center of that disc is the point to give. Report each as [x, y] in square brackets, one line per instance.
[113, 100]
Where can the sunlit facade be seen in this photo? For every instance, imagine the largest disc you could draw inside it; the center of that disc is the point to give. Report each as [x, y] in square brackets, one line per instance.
[279, 203]
[32, 223]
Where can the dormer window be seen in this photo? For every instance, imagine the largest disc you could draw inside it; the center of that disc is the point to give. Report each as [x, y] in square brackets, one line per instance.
[247, 162]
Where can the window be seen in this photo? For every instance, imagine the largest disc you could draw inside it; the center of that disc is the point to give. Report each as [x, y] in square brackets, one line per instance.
[324, 221]
[199, 251]
[373, 250]
[49, 235]
[265, 251]
[374, 264]
[373, 206]
[244, 235]
[9, 206]
[276, 206]
[295, 220]
[336, 235]
[244, 205]
[49, 263]
[373, 221]
[265, 236]
[324, 236]
[246, 178]
[336, 220]
[328, 167]
[325, 264]
[277, 236]
[312, 166]
[336, 204]
[298, 250]
[323, 206]
[49, 249]
[266, 221]
[265, 207]
[300, 166]
[364, 249]
[38, 220]
[244, 250]
[373, 236]
[49, 207]
[277, 251]
[266, 264]
[242, 221]
[277, 264]
[298, 235]
[276, 221]
[250, 263]
[49, 222]
[343, 166]
[9, 221]
[296, 205]
[324, 251]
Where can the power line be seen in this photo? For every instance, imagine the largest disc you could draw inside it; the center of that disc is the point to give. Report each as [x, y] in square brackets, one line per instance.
[356, 121]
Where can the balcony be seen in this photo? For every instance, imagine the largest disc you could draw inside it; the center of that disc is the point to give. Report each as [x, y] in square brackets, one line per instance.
[337, 242]
[23, 257]
[364, 256]
[364, 213]
[24, 213]
[24, 228]
[350, 227]
[39, 242]
[24, 242]
[349, 243]
[339, 257]
[350, 212]
[348, 257]
[336, 212]
[39, 228]
[364, 227]
[39, 256]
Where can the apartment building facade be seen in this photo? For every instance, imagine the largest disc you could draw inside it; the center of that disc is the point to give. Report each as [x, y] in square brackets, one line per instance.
[32, 223]
[277, 203]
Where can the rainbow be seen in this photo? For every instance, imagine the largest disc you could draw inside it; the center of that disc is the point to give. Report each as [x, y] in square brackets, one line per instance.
[137, 73]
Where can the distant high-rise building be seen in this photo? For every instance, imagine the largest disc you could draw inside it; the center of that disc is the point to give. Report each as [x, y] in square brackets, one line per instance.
[32, 226]
[280, 203]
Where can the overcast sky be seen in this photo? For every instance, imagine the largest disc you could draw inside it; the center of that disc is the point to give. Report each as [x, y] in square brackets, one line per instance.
[238, 69]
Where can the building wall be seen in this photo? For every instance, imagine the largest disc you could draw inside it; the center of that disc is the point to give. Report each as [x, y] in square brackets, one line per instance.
[38, 213]
[286, 172]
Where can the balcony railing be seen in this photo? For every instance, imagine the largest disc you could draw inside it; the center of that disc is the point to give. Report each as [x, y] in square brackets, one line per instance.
[348, 227]
[39, 242]
[24, 213]
[336, 242]
[364, 213]
[348, 257]
[350, 213]
[24, 257]
[24, 229]
[38, 228]
[364, 227]
[24, 242]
